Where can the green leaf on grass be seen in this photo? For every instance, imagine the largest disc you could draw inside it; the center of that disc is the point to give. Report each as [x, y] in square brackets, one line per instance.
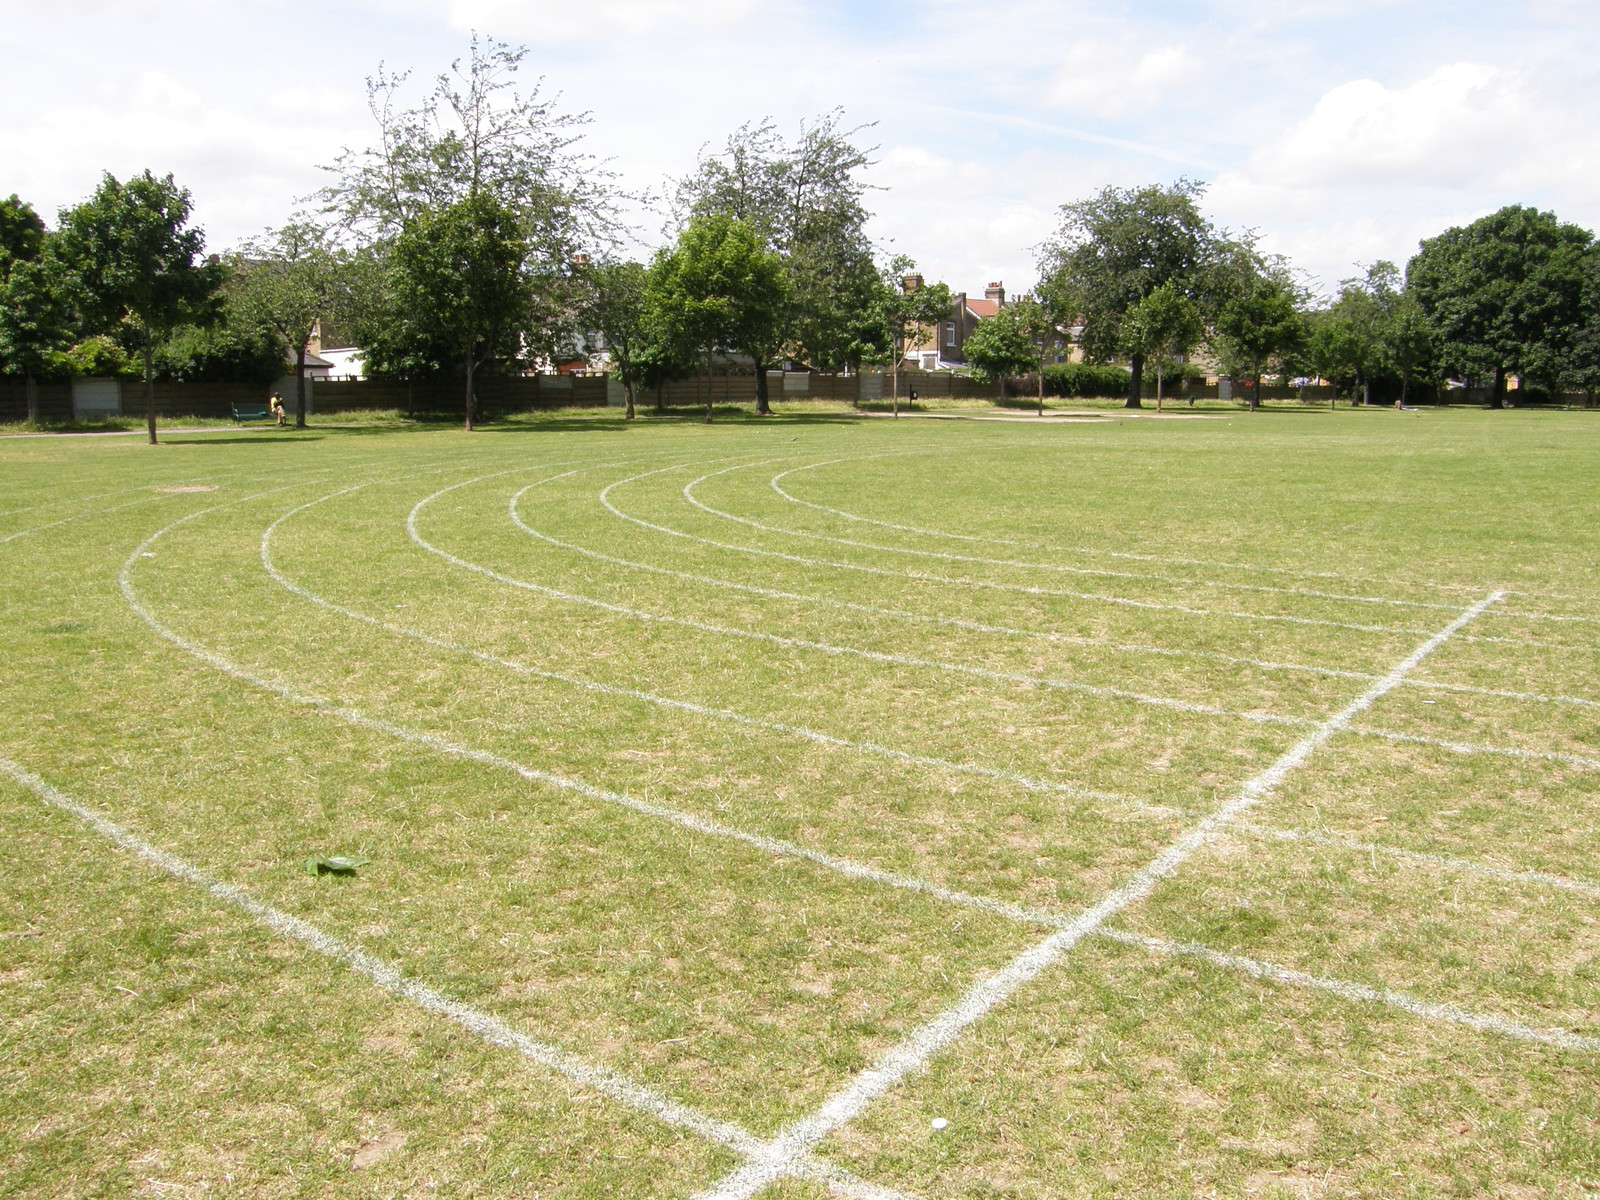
[337, 864]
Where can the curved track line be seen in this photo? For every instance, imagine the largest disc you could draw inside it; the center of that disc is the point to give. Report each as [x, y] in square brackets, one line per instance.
[991, 585]
[1061, 567]
[902, 614]
[1152, 558]
[829, 648]
[1026, 782]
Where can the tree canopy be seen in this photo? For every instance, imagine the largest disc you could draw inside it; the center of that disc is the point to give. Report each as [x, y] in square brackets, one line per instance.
[1505, 294]
[135, 260]
[1116, 248]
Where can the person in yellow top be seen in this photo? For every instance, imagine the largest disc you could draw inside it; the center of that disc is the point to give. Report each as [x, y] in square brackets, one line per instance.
[276, 404]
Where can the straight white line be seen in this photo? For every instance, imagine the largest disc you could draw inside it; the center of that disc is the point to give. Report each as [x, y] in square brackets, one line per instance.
[1392, 735]
[1058, 567]
[829, 648]
[1360, 992]
[96, 512]
[1511, 641]
[1532, 697]
[386, 976]
[1026, 782]
[914, 1051]
[1443, 861]
[994, 586]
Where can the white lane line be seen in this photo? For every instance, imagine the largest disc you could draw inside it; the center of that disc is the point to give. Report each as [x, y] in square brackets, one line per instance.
[1360, 992]
[914, 1051]
[1026, 782]
[1445, 862]
[993, 585]
[1512, 641]
[1060, 567]
[1063, 685]
[11, 512]
[902, 614]
[490, 1029]
[1393, 735]
[96, 512]
[835, 1178]
[1150, 558]
[1531, 697]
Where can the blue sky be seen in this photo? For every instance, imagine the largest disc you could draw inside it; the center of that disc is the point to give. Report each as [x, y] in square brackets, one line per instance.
[1341, 132]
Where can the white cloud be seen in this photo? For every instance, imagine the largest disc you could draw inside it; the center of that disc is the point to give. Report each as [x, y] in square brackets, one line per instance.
[1113, 77]
[548, 20]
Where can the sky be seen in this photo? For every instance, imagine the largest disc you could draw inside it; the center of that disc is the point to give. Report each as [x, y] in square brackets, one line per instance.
[1340, 133]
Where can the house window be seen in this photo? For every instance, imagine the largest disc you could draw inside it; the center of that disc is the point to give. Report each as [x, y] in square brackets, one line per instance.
[950, 334]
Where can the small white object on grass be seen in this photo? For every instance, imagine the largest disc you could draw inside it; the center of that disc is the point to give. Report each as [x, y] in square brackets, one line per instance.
[940, 1124]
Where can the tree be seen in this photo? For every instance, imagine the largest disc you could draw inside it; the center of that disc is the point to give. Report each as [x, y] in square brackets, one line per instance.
[35, 314]
[616, 306]
[1504, 295]
[286, 282]
[804, 202]
[461, 272]
[134, 261]
[477, 167]
[1010, 343]
[1583, 365]
[1165, 323]
[904, 305]
[718, 287]
[1115, 249]
[1261, 325]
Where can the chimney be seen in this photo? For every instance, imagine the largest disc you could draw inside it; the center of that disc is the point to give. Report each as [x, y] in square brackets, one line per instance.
[997, 293]
[911, 283]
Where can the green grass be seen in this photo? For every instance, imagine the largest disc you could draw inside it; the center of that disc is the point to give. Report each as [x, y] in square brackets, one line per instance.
[1117, 625]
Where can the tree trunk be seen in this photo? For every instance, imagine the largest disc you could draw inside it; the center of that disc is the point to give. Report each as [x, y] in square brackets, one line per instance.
[1158, 386]
[627, 388]
[469, 388]
[661, 397]
[763, 407]
[30, 388]
[1041, 385]
[708, 385]
[300, 387]
[1366, 390]
[1497, 397]
[1135, 380]
[150, 386]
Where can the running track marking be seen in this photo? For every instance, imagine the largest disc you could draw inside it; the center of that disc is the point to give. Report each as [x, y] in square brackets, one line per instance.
[829, 648]
[1151, 558]
[934, 664]
[490, 1029]
[987, 584]
[1038, 566]
[797, 1141]
[799, 1162]
[1360, 992]
[1027, 783]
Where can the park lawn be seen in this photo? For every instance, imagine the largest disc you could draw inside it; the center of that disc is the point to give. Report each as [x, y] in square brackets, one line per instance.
[616, 710]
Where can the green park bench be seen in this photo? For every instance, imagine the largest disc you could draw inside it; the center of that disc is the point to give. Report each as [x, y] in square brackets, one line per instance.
[251, 412]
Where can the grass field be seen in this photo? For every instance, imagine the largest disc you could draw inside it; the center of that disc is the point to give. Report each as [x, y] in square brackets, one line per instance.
[934, 808]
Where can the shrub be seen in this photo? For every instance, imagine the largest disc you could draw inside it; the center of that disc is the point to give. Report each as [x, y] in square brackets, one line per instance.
[1085, 380]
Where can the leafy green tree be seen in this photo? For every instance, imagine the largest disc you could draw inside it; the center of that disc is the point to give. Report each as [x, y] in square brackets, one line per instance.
[1162, 326]
[1115, 249]
[1504, 295]
[616, 306]
[35, 312]
[1583, 364]
[805, 202]
[461, 272]
[136, 262]
[1262, 325]
[286, 282]
[720, 288]
[904, 310]
[1003, 345]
